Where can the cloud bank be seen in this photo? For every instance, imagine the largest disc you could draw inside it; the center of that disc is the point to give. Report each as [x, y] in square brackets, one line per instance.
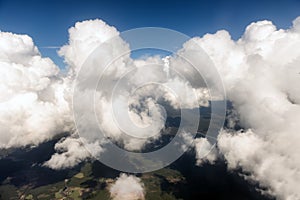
[261, 75]
[260, 72]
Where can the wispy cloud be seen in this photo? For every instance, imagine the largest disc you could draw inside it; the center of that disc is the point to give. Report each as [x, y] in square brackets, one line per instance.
[50, 47]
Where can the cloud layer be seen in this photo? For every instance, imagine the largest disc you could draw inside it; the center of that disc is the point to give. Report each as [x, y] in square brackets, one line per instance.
[261, 75]
[260, 72]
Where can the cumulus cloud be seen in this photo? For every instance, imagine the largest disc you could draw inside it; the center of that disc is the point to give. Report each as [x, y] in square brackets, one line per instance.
[140, 116]
[72, 151]
[261, 75]
[205, 151]
[33, 104]
[260, 72]
[127, 187]
[84, 37]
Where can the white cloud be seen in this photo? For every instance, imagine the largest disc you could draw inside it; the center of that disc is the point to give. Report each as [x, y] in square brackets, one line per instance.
[36, 98]
[72, 151]
[260, 72]
[139, 114]
[205, 152]
[84, 37]
[127, 187]
[261, 75]
[33, 106]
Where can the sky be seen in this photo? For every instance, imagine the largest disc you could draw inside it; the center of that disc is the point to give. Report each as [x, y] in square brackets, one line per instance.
[47, 21]
[259, 73]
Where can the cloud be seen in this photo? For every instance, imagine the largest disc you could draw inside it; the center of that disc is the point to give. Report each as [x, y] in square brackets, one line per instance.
[84, 37]
[36, 98]
[261, 75]
[127, 187]
[50, 47]
[72, 151]
[33, 105]
[140, 117]
[260, 72]
[205, 151]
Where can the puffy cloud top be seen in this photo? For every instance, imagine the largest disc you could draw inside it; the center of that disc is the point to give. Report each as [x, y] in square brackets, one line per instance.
[259, 31]
[33, 107]
[127, 188]
[84, 37]
[261, 75]
[17, 48]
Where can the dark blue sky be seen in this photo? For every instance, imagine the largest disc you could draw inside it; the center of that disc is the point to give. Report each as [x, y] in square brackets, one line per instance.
[47, 21]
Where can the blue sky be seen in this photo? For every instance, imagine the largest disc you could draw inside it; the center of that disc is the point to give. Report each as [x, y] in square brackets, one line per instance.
[47, 21]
